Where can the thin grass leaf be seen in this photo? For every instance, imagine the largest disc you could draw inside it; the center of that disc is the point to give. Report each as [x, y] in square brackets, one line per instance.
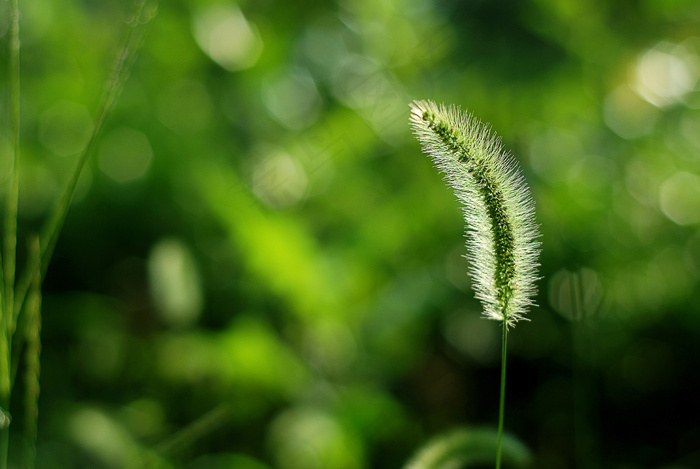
[114, 88]
[184, 438]
[10, 235]
[498, 210]
[33, 366]
[204, 425]
[12, 199]
[22, 328]
[467, 447]
[144, 12]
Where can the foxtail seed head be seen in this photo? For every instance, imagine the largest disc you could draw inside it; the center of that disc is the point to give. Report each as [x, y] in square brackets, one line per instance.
[498, 209]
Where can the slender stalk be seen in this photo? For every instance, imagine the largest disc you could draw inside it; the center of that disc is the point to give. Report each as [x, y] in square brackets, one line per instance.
[501, 406]
[33, 366]
[32, 372]
[577, 378]
[114, 87]
[49, 234]
[205, 424]
[10, 235]
[5, 390]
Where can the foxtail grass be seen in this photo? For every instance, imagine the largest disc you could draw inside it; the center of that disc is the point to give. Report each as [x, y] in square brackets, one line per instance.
[498, 210]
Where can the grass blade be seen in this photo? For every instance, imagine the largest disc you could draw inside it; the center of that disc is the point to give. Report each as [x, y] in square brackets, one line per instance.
[10, 235]
[182, 439]
[144, 11]
[33, 366]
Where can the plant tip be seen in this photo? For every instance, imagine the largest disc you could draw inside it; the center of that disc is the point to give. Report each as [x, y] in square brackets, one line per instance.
[498, 210]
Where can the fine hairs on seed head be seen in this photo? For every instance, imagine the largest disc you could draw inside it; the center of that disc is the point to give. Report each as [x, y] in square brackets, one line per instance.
[499, 212]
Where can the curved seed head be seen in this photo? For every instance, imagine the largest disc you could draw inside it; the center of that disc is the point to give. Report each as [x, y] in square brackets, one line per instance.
[498, 209]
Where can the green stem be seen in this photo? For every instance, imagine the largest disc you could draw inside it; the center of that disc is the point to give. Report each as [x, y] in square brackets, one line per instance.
[10, 239]
[33, 365]
[501, 406]
[10, 235]
[138, 23]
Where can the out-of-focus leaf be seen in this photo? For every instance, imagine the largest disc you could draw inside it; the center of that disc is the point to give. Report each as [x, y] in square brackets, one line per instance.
[466, 447]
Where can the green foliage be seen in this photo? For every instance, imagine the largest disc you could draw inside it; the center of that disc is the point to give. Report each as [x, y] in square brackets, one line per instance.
[466, 448]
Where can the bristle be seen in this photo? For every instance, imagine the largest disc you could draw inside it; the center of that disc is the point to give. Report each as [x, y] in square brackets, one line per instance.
[498, 209]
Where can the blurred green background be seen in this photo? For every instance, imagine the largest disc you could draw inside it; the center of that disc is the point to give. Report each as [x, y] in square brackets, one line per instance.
[259, 246]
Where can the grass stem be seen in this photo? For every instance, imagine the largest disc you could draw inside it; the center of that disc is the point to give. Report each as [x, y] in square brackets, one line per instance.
[144, 11]
[33, 366]
[10, 235]
[501, 406]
